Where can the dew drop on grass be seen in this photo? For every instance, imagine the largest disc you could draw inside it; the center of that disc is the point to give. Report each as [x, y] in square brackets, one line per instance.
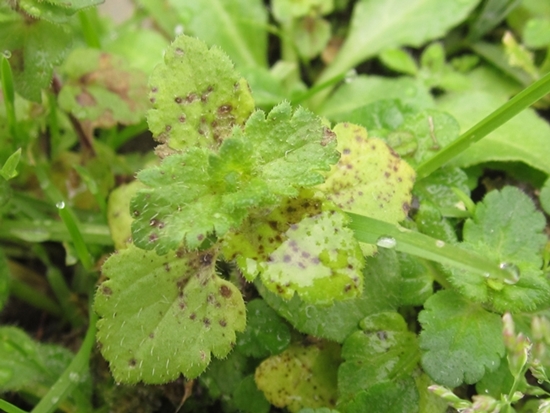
[439, 243]
[513, 272]
[350, 76]
[60, 205]
[386, 242]
[74, 376]
[6, 54]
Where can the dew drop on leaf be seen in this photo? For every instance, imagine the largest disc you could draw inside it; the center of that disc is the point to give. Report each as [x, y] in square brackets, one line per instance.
[439, 243]
[386, 242]
[6, 54]
[513, 272]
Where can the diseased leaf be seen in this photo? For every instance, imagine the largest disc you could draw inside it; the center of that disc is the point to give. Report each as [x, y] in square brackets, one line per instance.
[381, 292]
[383, 351]
[376, 26]
[197, 97]
[196, 193]
[162, 316]
[460, 340]
[507, 229]
[103, 89]
[302, 246]
[302, 376]
[266, 333]
[236, 26]
[370, 178]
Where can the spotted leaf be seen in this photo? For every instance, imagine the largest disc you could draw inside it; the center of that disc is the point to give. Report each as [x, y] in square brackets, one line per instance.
[162, 316]
[197, 97]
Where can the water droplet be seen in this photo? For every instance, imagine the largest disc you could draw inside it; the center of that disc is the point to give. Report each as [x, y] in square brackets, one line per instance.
[60, 205]
[55, 400]
[6, 54]
[513, 272]
[350, 76]
[74, 376]
[179, 29]
[439, 243]
[386, 242]
[308, 311]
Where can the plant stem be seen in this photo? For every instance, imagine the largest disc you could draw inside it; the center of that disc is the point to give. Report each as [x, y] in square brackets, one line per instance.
[71, 376]
[47, 230]
[500, 116]
[370, 231]
[10, 408]
[6, 76]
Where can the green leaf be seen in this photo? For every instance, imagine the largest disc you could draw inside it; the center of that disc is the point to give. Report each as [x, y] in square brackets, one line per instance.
[118, 213]
[321, 410]
[417, 280]
[429, 402]
[197, 96]
[525, 137]
[266, 333]
[301, 376]
[9, 169]
[437, 188]
[519, 56]
[302, 246]
[460, 340]
[4, 281]
[271, 158]
[286, 10]
[376, 26]
[370, 178]
[381, 292]
[506, 228]
[363, 90]
[400, 61]
[32, 368]
[384, 351]
[249, 399]
[536, 33]
[311, 36]
[162, 316]
[545, 196]
[399, 396]
[55, 11]
[236, 26]
[103, 89]
[35, 49]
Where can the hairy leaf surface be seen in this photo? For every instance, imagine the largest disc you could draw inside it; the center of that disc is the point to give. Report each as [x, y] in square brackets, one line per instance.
[383, 351]
[507, 228]
[162, 316]
[196, 193]
[460, 340]
[197, 97]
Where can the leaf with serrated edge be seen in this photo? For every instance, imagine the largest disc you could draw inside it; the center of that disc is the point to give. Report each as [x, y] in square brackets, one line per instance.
[460, 340]
[162, 316]
[302, 246]
[197, 193]
[370, 178]
[301, 376]
[383, 351]
[197, 97]
[507, 229]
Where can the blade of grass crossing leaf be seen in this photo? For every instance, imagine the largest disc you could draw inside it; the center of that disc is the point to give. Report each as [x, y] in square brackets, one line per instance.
[500, 116]
[71, 376]
[9, 95]
[10, 408]
[72, 225]
[383, 234]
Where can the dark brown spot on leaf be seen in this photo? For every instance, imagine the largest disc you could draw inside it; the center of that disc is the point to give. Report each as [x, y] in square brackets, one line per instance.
[206, 322]
[178, 100]
[106, 290]
[132, 362]
[225, 109]
[192, 316]
[225, 291]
